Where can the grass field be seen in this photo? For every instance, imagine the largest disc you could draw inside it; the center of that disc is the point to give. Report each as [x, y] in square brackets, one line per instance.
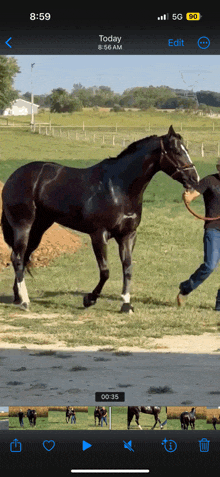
[57, 420]
[168, 249]
[41, 424]
[200, 425]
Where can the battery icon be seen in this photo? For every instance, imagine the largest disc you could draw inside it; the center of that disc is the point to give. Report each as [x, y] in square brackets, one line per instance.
[193, 16]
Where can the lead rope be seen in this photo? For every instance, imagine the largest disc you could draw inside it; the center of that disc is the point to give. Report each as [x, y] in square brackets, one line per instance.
[197, 215]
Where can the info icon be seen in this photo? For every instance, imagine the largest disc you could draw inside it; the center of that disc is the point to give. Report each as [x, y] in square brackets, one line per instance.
[169, 445]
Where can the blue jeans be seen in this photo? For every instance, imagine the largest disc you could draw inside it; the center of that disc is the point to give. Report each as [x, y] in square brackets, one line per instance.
[103, 419]
[211, 258]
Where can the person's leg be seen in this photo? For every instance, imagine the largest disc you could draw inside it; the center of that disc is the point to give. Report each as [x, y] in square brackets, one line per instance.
[211, 259]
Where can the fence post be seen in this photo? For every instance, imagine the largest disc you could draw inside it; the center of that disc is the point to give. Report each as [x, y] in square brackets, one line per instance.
[113, 140]
[103, 140]
[83, 126]
[116, 128]
[202, 150]
[94, 138]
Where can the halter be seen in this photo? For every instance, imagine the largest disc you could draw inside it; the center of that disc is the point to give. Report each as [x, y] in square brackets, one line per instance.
[164, 154]
[180, 169]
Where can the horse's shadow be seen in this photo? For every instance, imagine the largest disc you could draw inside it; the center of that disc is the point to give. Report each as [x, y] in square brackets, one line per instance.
[7, 300]
[45, 297]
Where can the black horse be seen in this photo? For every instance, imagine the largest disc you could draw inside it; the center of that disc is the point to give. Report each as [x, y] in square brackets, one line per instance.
[98, 413]
[32, 417]
[135, 411]
[69, 413]
[188, 418]
[104, 201]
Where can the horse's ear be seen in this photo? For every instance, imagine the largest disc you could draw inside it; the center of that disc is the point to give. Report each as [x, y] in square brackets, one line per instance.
[171, 131]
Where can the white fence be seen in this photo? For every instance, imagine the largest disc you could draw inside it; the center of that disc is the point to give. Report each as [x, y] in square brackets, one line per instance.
[203, 143]
[122, 136]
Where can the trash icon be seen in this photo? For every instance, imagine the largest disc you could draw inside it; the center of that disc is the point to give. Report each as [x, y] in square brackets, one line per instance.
[204, 445]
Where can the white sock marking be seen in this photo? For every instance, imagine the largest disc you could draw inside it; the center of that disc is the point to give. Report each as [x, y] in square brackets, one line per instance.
[126, 298]
[22, 291]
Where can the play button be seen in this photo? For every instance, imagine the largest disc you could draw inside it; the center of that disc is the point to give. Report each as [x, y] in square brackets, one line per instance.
[85, 445]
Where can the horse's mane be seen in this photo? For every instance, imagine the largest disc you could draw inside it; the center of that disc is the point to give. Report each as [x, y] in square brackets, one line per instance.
[133, 146]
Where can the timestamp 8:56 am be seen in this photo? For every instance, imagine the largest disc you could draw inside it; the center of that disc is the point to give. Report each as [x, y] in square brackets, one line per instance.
[109, 47]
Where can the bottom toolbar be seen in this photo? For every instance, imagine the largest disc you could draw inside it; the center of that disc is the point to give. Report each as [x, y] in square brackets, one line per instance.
[72, 452]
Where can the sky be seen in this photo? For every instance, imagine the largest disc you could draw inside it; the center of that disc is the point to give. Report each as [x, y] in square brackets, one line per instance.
[119, 72]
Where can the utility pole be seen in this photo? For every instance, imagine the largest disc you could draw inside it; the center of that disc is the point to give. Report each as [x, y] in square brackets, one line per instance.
[32, 97]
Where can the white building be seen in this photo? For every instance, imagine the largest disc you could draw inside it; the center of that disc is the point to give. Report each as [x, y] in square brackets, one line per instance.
[20, 107]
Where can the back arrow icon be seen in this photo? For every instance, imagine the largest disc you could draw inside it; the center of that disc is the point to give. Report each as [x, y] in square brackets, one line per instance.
[7, 42]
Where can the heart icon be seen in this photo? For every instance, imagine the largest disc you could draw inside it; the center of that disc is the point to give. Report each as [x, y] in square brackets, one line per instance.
[48, 445]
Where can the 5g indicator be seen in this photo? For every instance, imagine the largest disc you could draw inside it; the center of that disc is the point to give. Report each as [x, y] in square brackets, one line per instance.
[177, 16]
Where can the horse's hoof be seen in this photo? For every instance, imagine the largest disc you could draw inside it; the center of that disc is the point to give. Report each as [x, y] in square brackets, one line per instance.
[127, 308]
[23, 306]
[89, 300]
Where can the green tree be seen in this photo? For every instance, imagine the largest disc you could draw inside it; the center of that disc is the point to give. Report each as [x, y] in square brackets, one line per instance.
[61, 101]
[8, 69]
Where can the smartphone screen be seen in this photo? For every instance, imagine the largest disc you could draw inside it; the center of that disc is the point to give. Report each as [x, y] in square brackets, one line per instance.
[109, 242]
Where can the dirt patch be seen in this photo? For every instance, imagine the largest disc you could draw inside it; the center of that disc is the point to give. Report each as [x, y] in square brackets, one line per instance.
[55, 241]
[203, 344]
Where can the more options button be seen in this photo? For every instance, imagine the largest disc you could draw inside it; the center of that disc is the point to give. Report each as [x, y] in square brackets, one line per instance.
[203, 42]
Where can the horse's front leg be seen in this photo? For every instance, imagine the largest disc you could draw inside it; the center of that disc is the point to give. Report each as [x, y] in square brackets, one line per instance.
[99, 243]
[156, 421]
[137, 422]
[126, 245]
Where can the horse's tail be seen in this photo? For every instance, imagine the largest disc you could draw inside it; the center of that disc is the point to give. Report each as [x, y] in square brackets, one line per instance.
[7, 230]
[9, 238]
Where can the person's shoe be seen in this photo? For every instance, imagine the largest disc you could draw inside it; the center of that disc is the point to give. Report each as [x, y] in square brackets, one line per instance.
[180, 299]
[217, 305]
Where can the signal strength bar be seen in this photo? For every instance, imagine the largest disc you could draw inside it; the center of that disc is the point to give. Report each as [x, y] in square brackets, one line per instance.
[164, 17]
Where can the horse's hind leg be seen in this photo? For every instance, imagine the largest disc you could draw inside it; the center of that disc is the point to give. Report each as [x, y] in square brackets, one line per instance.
[99, 243]
[19, 248]
[137, 421]
[126, 245]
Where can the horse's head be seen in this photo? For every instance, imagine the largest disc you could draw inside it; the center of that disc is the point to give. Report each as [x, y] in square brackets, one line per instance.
[175, 160]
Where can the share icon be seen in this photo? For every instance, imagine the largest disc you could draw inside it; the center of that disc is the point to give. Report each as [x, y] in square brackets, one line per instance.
[128, 445]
